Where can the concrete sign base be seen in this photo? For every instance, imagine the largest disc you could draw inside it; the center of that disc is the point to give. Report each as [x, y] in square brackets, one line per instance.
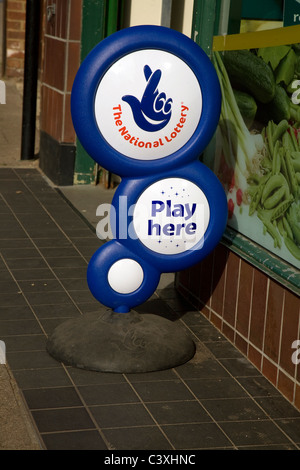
[122, 343]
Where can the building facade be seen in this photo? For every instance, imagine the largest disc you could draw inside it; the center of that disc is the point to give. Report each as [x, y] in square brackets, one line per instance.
[250, 293]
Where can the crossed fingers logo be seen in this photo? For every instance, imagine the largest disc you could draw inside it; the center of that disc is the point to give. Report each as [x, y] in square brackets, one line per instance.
[154, 110]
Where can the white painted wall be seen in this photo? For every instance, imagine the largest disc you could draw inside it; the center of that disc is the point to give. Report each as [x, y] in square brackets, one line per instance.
[145, 12]
[149, 12]
[187, 16]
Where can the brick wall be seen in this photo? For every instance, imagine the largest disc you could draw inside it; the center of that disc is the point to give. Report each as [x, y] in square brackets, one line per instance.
[257, 314]
[15, 37]
[60, 64]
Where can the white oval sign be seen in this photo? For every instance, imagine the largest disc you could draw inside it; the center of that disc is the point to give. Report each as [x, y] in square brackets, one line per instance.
[148, 104]
[171, 216]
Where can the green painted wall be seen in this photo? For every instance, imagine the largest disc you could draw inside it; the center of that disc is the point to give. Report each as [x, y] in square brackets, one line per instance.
[262, 9]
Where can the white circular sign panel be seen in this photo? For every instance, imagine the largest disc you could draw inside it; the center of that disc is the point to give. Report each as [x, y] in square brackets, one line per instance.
[148, 104]
[125, 276]
[171, 216]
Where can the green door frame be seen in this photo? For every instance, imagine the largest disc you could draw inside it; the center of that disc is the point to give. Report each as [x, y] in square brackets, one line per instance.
[213, 17]
[100, 18]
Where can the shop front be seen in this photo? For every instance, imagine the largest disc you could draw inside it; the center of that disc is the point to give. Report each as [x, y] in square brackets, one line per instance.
[249, 286]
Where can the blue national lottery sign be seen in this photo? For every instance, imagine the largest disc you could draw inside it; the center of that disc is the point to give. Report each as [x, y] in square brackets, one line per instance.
[145, 104]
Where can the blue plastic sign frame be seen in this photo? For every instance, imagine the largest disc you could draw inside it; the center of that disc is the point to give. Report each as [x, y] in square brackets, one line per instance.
[179, 206]
[96, 65]
[152, 263]
[194, 173]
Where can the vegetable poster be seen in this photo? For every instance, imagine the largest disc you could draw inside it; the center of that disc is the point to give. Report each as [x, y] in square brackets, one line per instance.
[257, 156]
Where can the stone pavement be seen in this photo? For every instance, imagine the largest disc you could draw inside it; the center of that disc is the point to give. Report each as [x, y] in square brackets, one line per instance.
[11, 128]
[17, 429]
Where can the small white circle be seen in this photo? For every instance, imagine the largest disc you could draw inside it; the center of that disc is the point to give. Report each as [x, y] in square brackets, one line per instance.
[125, 276]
